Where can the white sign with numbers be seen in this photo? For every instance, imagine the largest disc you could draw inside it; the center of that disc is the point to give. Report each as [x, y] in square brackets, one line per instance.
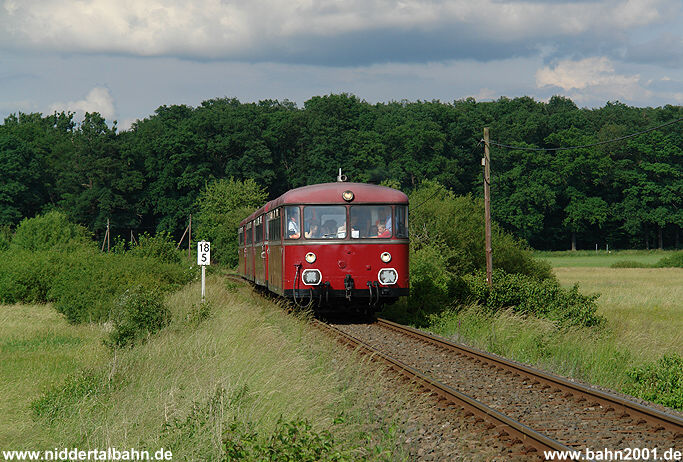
[203, 253]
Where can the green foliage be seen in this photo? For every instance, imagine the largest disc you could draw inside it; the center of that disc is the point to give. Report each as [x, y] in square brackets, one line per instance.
[5, 237]
[672, 261]
[294, 440]
[57, 401]
[49, 231]
[454, 226]
[629, 264]
[543, 299]
[82, 283]
[448, 262]
[661, 382]
[137, 313]
[221, 206]
[160, 247]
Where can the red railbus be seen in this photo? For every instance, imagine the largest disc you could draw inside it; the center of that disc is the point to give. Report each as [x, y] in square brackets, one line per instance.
[339, 246]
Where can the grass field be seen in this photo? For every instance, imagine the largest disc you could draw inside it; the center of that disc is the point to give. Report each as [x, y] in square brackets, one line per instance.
[243, 368]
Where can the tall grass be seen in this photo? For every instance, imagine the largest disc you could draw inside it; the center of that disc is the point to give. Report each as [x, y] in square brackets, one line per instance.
[242, 365]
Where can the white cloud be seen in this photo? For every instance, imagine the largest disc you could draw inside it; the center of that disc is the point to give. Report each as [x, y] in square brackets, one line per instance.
[591, 78]
[97, 100]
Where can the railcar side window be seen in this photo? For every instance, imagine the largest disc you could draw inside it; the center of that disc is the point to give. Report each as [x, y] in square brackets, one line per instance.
[401, 221]
[249, 233]
[259, 229]
[325, 222]
[370, 221]
[293, 225]
[274, 228]
[241, 236]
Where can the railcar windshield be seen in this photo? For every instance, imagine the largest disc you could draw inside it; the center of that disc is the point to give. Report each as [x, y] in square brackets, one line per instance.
[325, 222]
[370, 221]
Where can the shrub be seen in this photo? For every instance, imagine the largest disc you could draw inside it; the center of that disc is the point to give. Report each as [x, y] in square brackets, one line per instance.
[661, 382]
[49, 231]
[5, 237]
[160, 247]
[454, 226]
[672, 261]
[524, 294]
[137, 314]
[629, 264]
[82, 283]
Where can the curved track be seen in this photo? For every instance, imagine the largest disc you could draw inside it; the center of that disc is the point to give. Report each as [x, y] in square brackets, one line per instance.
[539, 410]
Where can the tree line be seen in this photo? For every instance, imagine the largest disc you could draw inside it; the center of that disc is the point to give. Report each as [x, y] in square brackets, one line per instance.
[623, 194]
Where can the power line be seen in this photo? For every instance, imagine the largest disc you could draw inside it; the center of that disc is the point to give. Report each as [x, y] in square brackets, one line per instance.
[523, 148]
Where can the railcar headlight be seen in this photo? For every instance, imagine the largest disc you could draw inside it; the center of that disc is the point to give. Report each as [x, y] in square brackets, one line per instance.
[310, 257]
[311, 277]
[387, 276]
[347, 196]
[386, 257]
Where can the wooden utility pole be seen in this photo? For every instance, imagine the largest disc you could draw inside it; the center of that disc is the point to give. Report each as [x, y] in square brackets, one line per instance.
[486, 161]
[189, 238]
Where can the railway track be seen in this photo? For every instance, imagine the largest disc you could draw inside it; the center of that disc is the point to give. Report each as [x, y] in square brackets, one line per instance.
[526, 407]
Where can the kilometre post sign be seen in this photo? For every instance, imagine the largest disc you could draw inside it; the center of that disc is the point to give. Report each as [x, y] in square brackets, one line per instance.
[203, 259]
[203, 253]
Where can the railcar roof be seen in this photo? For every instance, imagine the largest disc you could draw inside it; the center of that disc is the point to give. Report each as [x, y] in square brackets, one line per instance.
[331, 193]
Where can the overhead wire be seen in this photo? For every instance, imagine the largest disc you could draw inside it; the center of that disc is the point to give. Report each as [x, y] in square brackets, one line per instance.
[621, 138]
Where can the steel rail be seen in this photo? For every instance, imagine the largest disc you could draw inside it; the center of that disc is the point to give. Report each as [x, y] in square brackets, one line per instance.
[660, 420]
[530, 439]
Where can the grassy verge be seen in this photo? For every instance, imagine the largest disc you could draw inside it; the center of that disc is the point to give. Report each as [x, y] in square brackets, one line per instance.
[39, 349]
[240, 377]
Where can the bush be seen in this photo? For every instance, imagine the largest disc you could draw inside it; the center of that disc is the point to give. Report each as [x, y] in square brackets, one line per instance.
[524, 294]
[454, 226]
[5, 237]
[672, 261]
[629, 264]
[661, 382]
[50, 231]
[137, 314]
[160, 247]
[82, 283]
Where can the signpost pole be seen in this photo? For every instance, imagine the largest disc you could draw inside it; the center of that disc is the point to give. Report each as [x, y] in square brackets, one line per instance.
[203, 283]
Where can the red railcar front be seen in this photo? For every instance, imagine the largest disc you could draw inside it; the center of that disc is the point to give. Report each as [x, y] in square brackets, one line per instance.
[334, 244]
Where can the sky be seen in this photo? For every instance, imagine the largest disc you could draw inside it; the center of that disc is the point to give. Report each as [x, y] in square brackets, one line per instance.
[126, 58]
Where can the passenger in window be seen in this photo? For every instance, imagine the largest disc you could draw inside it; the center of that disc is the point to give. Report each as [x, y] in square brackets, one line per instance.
[355, 228]
[329, 229]
[313, 231]
[293, 228]
[382, 231]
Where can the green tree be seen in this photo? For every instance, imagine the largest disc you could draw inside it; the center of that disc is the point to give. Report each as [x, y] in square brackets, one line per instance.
[220, 207]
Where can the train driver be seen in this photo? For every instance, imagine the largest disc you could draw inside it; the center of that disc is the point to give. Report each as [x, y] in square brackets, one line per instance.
[293, 225]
